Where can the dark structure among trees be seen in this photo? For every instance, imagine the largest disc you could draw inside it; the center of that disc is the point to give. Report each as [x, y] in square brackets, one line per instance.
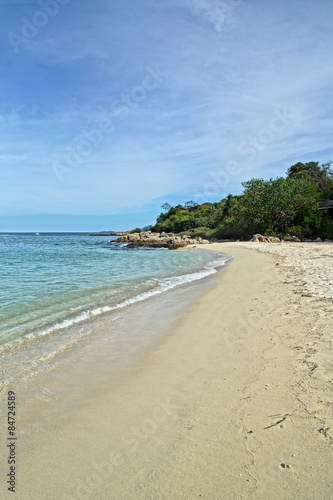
[327, 205]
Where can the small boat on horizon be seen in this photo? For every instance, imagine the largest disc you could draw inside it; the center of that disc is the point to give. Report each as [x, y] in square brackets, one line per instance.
[37, 234]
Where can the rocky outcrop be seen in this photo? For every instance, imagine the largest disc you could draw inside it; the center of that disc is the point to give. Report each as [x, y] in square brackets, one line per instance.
[120, 233]
[109, 234]
[273, 239]
[265, 239]
[159, 240]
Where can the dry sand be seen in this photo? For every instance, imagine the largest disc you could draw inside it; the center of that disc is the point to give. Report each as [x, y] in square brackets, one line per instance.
[235, 403]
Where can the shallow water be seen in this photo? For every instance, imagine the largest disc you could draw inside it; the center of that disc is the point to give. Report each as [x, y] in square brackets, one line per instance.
[52, 281]
[58, 289]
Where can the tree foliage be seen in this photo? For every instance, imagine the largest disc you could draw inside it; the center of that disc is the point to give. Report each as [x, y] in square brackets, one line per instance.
[273, 204]
[280, 206]
[320, 176]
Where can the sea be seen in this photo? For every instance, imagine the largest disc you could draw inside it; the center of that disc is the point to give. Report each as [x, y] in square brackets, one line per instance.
[51, 282]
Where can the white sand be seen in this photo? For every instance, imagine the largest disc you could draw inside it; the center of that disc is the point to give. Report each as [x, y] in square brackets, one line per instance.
[313, 260]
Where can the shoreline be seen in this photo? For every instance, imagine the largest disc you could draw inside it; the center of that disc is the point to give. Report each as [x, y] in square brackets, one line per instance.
[44, 348]
[214, 407]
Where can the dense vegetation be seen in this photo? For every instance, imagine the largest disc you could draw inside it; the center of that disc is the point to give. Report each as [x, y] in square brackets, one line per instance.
[284, 206]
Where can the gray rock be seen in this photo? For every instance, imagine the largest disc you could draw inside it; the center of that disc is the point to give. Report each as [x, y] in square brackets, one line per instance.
[273, 239]
[134, 237]
[158, 240]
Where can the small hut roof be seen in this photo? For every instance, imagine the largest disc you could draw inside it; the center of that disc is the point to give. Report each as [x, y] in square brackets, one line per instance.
[325, 204]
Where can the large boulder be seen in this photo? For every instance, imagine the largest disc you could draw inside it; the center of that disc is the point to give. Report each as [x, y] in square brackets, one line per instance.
[259, 237]
[134, 237]
[265, 239]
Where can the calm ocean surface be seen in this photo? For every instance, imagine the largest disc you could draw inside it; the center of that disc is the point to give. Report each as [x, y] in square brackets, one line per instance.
[54, 280]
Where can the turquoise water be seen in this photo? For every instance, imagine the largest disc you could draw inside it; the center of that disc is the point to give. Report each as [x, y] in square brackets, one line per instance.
[54, 280]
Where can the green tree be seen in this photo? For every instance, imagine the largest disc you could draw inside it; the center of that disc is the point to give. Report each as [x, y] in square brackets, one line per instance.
[166, 207]
[190, 205]
[272, 205]
[321, 176]
[304, 171]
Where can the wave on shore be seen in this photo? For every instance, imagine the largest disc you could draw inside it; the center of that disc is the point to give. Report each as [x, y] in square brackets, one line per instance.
[60, 281]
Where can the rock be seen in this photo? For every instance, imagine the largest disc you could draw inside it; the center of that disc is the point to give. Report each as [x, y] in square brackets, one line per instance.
[159, 240]
[119, 233]
[265, 239]
[177, 244]
[148, 243]
[259, 238]
[318, 239]
[144, 236]
[134, 237]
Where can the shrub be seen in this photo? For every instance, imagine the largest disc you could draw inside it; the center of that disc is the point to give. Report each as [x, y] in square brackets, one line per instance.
[231, 229]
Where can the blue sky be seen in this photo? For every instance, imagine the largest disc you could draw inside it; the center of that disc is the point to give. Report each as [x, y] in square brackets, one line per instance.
[108, 109]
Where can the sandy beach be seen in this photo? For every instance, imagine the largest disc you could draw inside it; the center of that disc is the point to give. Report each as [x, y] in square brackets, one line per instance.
[234, 402]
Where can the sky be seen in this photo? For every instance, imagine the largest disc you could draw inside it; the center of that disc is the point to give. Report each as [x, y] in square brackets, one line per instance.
[108, 109]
